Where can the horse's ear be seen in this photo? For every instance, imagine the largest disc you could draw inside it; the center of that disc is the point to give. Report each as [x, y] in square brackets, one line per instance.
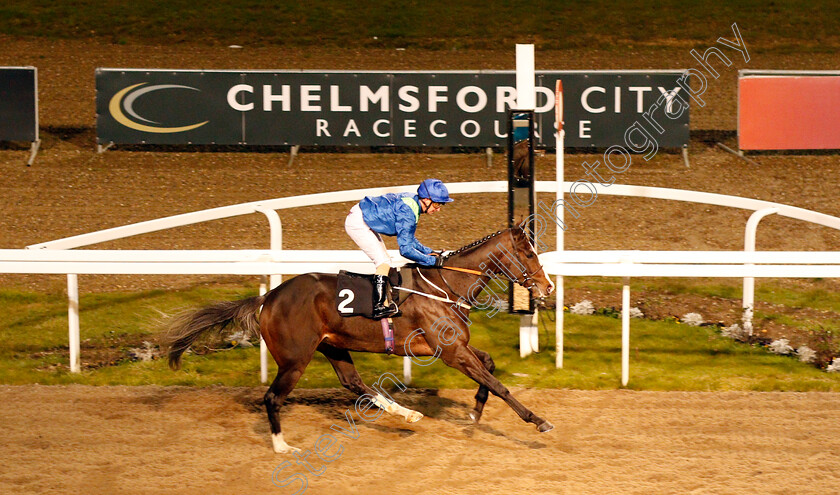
[520, 234]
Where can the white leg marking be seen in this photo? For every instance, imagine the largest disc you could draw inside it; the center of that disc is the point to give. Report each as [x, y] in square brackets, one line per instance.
[410, 416]
[280, 445]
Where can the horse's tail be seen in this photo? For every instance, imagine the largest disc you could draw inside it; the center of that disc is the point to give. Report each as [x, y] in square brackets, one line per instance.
[186, 327]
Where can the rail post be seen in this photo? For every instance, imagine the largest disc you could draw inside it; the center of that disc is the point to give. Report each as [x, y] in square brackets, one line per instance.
[560, 139]
[276, 242]
[748, 304]
[625, 329]
[73, 321]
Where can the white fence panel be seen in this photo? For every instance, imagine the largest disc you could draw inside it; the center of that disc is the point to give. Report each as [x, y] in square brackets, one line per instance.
[52, 257]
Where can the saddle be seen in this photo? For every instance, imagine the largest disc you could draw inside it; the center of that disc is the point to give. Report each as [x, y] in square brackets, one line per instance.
[354, 295]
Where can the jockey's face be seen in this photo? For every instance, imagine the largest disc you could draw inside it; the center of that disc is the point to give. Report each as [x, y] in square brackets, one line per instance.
[430, 206]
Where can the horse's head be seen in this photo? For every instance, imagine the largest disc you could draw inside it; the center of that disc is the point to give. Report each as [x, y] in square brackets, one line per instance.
[509, 253]
[530, 273]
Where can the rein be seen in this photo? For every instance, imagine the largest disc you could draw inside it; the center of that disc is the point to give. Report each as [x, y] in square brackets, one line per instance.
[458, 269]
[527, 278]
[464, 270]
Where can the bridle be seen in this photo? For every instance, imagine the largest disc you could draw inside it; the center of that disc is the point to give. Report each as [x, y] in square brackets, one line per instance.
[525, 279]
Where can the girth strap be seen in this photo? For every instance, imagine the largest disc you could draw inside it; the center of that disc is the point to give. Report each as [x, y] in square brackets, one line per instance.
[388, 334]
[436, 298]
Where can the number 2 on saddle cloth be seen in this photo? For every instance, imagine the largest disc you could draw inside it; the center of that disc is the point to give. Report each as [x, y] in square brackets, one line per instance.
[354, 296]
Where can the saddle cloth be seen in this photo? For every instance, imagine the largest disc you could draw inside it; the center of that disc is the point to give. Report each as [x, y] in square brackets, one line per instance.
[354, 292]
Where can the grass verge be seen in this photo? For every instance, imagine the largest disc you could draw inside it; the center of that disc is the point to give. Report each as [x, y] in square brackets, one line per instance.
[665, 355]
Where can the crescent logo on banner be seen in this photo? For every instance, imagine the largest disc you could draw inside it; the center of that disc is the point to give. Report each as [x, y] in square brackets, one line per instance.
[124, 100]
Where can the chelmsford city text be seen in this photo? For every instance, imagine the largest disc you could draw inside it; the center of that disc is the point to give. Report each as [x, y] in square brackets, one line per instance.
[412, 99]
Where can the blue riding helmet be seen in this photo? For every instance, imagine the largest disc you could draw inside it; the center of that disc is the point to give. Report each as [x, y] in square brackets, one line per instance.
[434, 190]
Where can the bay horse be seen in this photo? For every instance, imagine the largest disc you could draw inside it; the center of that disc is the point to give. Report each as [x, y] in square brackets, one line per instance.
[300, 317]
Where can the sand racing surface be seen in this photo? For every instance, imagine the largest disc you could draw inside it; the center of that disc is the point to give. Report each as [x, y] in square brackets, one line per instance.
[80, 439]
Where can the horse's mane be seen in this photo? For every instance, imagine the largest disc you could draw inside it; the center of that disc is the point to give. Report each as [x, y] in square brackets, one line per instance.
[472, 245]
[468, 247]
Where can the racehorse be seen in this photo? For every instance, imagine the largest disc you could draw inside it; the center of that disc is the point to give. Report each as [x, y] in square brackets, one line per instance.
[300, 317]
[521, 164]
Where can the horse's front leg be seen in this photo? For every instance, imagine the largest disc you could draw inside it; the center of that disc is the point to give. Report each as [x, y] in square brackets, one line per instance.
[463, 359]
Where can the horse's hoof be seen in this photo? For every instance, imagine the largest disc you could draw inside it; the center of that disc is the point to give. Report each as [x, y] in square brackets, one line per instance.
[545, 426]
[413, 417]
[287, 450]
[474, 416]
[280, 445]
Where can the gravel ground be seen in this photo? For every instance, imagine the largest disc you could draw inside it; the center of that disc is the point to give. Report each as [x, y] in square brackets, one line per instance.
[183, 440]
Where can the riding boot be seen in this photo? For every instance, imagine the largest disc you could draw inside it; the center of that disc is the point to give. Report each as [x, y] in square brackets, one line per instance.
[383, 307]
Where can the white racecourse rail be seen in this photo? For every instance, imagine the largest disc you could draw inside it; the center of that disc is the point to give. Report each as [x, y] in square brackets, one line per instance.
[53, 257]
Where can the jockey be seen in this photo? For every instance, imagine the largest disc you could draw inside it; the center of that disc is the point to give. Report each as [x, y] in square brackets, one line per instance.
[394, 215]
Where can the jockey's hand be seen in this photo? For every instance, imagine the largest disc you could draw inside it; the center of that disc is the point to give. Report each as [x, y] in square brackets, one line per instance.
[438, 261]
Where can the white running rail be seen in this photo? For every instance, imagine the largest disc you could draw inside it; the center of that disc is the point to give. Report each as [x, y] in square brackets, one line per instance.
[54, 257]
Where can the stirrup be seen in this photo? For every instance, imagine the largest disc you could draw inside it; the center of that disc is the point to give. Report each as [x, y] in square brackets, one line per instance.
[383, 311]
[383, 306]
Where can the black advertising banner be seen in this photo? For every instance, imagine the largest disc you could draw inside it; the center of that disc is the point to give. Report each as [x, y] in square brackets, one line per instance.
[18, 104]
[411, 109]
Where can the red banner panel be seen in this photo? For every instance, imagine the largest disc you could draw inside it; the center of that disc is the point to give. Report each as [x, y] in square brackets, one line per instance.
[789, 112]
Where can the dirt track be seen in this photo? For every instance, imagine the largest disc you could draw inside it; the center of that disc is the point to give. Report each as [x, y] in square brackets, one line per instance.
[148, 440]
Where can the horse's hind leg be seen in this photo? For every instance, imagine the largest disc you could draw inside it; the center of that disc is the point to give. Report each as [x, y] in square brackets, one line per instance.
[280, 388]
[349, 377]
[483, 391]
[292, 358]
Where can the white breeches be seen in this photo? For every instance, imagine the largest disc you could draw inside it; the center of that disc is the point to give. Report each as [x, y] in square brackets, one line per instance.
[369, 241]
